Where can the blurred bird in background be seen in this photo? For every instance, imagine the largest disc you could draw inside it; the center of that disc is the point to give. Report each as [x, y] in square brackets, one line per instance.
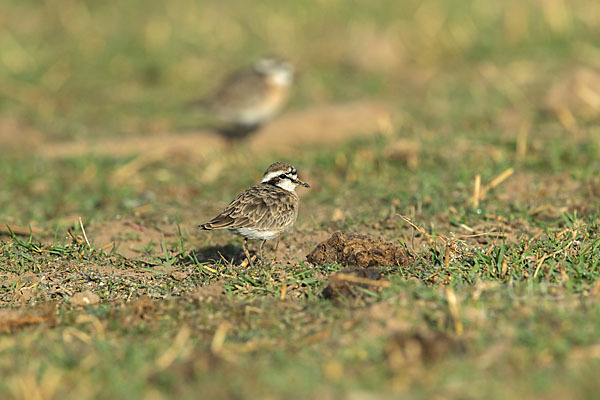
[250, 97]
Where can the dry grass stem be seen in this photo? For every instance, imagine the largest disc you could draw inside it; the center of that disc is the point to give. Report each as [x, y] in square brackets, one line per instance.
[216, 345]
[496, 181]
[477, 191]
[454, 309]
[522, 135]
[83, 231]
[179, 343]
[283, 291]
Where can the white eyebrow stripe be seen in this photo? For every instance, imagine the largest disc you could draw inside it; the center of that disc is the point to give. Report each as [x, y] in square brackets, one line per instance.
[270, 176]
[275, 174]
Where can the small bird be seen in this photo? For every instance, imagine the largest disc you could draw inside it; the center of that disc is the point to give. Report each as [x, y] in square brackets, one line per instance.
[263, 211]
[250, 97]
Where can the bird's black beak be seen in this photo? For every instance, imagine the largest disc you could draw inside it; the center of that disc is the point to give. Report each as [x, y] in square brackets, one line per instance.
[301, 183]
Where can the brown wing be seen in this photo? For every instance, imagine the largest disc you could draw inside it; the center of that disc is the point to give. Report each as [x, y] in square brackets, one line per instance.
[242, 89]
[263, 206]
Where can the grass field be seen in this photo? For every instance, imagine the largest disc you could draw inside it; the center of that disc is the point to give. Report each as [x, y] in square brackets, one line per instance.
[485, 165]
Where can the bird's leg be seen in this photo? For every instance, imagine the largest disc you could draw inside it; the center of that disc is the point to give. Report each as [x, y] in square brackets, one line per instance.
[276, 247]
[261, 251]
[246, 252]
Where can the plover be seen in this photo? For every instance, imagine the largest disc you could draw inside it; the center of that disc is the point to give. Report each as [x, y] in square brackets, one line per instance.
[251, 96]
[263, 211]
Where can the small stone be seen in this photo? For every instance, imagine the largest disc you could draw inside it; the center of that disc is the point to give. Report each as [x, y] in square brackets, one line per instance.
[84, 298]
[179, 276]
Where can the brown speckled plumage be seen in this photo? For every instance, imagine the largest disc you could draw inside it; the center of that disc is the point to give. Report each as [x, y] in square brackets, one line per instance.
[263, 206]
[251, 96]
[263, 211]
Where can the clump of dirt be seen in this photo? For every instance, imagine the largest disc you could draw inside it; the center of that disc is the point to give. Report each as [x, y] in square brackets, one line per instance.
[346, 283]
[350, 249]
[404, 151]
[208, 291]
[140, 312]
[421, 347]
[12, 320]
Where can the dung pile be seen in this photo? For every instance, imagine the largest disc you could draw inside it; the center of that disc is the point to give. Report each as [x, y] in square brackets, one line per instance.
[361, 255]
[350, 249]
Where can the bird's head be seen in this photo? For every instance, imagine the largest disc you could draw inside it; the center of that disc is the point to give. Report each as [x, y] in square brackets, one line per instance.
[283, 175]
[276, 69]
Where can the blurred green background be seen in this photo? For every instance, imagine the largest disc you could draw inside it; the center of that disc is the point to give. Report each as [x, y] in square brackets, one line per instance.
[85, 68]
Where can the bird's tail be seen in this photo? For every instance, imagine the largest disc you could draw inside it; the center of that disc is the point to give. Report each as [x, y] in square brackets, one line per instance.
[219, 222]
[206, 227]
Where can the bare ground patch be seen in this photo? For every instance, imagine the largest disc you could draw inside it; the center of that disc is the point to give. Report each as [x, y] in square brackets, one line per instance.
[326, 124]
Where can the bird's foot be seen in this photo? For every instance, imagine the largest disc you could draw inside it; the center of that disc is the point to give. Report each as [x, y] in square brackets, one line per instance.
[249, 261]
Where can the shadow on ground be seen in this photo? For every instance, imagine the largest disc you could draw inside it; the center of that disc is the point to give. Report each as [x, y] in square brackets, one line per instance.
[228, 254]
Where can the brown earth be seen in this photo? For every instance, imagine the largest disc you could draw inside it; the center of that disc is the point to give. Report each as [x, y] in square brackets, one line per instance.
[326, 124]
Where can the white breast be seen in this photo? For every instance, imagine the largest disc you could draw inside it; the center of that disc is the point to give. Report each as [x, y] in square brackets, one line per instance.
[256, 234]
